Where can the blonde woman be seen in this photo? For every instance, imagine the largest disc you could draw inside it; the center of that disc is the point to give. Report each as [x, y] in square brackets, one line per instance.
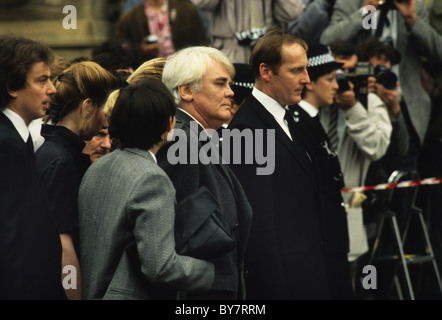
[152, 68]
[149, 69]
[77, 115]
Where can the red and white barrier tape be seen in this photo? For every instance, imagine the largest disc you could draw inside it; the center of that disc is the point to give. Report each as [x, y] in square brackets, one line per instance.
[403, 184]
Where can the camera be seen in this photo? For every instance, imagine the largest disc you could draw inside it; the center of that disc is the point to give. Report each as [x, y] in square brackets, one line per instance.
[385, 77]
[152, 38]
[359, 79]
[249, 37]
[363, 70]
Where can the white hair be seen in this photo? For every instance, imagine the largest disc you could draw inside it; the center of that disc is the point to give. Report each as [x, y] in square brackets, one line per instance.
[188, 67]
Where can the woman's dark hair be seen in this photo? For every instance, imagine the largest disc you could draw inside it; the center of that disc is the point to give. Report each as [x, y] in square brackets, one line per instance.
[141, 114]
[17, 55]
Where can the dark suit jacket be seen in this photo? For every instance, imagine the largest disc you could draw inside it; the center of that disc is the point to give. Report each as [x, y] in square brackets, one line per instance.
[329, 175]
[290, 241]
[30, 248]
[223, 184]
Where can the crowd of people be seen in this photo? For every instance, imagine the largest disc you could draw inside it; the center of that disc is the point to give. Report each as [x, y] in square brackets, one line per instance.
[88, 181]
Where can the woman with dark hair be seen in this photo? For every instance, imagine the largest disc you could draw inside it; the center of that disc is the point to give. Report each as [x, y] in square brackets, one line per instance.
[127, 224]
[77, 115]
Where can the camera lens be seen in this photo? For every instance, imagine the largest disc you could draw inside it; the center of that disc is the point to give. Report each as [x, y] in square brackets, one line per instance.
[152, 38]
[385, 77]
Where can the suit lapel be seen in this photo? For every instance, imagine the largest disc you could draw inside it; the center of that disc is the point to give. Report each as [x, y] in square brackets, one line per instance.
[186, 119]
[8, 123]
[402, 37]
[295, 147]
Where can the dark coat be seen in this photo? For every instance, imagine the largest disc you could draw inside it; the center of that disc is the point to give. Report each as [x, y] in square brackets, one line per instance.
[296, 247]
[185, 22]
[30, 248]
[222, 183]
[61, 165]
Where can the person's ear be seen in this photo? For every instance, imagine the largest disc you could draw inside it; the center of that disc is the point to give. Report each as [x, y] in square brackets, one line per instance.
[186, 93]
[171, 124]
[87, 107]
[12, 93]
[265, 72]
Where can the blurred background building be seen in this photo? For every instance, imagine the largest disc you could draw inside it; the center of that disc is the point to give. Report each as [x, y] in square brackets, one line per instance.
[42, 20]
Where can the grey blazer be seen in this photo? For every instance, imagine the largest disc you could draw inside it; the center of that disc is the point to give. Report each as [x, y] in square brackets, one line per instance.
[127, 246]
[421, 40]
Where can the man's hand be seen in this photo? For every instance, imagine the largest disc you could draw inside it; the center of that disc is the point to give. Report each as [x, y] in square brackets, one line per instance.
[407, 8]
[390, 98]
[346, 99]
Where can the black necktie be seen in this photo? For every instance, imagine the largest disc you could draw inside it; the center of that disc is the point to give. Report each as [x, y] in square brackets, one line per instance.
[290, 121]
[333, 128]
[30, 143]
[382, 21]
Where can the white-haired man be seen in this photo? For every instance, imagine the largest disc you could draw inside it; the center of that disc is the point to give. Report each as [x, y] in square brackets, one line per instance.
[204, 100]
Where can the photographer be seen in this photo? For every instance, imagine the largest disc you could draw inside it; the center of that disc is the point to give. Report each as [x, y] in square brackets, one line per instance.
[237, 25]
[409, 32]
[384, 83]
[363, 135]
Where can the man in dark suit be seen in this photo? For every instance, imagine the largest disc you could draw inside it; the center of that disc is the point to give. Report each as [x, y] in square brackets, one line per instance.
[30, 249]
[204, 102]
[298, 246]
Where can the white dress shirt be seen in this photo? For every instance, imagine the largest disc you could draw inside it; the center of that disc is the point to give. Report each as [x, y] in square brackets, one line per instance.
[275, 109]
[310, 109]
[18, 123]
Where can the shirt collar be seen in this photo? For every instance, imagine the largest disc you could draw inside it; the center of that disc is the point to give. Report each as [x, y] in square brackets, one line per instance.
[309, 108]
[191, 117]
[18, 123]
[153, 156]
[208, 131]
[272, 106]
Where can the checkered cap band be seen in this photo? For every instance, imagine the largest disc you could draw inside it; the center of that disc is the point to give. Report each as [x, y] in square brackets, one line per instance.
[320, 60]
[244, 84]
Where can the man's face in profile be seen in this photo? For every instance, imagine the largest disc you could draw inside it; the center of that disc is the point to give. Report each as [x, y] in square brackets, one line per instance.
[99, 145]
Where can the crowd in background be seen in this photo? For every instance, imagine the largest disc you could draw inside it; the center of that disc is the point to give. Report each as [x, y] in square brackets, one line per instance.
[357, 104]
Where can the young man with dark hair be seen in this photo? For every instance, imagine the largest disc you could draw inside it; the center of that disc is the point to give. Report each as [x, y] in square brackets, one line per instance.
[30, 249]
